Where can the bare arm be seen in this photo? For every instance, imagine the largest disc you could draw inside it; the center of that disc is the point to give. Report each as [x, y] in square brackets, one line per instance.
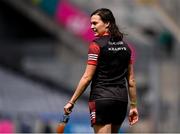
[133, 113]
[132, 85]
[83, 83]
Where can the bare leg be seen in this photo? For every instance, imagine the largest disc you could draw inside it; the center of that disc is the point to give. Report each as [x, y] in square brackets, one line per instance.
[102, 128]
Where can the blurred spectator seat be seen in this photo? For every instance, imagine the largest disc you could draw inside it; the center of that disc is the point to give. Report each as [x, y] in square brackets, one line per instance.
[48, 6]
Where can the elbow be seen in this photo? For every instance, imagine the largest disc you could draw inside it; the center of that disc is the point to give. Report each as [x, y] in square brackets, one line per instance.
[132, 84]
[87, 79]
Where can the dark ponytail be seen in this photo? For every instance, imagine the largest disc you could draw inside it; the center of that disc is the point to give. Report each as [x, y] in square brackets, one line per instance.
[115, 33]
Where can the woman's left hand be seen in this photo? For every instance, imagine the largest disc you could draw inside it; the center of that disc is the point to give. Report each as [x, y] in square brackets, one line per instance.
[133, 116]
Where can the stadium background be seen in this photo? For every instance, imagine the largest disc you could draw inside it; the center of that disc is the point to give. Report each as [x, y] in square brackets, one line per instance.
[43, 53]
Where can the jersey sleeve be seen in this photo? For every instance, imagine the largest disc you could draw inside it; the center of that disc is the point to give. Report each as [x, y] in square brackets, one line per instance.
[93, 54]
[133, 54]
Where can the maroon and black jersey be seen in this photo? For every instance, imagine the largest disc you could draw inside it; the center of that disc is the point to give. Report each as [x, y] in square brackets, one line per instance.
[112, 60]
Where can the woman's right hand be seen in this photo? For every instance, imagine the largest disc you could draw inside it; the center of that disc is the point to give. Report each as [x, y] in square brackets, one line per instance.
[68, 108]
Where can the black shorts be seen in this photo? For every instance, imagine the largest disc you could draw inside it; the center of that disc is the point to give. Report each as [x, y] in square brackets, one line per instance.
[107, 112]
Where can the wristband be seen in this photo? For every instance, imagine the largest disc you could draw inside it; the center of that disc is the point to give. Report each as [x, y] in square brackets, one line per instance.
[133, 103]
[71, 102]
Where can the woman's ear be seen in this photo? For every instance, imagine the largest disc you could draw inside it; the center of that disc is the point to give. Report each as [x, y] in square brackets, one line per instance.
[107, 24]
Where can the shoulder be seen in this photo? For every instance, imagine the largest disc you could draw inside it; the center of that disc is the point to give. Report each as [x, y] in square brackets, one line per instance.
[94, 48]
[132, 52]
[101, 41]
[127, 45]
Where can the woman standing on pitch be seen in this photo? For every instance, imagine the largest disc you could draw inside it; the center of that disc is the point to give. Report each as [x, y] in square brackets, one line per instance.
[110, 69]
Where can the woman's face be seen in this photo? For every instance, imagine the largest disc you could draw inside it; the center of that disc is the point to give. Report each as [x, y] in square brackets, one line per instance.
[98, 26]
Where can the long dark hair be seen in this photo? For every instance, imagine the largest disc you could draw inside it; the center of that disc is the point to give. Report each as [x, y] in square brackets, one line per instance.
[108, 17]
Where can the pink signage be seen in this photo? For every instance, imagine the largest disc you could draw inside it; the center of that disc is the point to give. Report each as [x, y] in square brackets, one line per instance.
[74, 19]
[6, 126]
